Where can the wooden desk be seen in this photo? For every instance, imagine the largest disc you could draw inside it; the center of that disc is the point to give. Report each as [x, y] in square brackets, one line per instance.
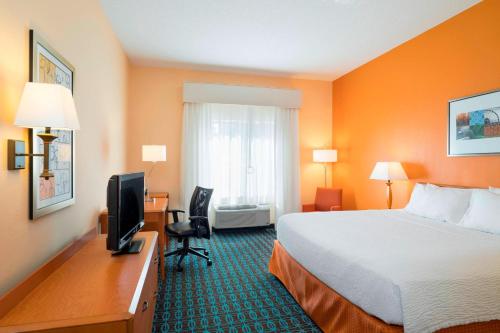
[158, 195]
[155, 219]
[92, 291]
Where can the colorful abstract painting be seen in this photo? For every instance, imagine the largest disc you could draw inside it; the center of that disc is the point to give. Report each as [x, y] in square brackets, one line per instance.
[49, 195]
[478, 124]
[474, 125]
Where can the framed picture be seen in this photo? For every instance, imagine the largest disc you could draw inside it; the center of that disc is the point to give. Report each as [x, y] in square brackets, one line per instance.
[50, 195]
[474, 125]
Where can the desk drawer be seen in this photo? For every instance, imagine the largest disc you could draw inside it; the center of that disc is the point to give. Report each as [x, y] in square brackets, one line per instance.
[143, 317]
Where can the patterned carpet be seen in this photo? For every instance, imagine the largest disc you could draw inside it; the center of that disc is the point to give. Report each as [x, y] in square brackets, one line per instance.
[235, 294]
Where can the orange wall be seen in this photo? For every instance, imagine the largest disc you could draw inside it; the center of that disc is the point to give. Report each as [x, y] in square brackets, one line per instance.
[80, 32]
[155, 117]
[395, 108]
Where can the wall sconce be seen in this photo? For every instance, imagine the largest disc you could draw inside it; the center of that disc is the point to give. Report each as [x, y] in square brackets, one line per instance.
[47, 106]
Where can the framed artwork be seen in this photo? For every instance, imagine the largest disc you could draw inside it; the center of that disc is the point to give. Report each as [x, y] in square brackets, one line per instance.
[50, 195]
[474, 125]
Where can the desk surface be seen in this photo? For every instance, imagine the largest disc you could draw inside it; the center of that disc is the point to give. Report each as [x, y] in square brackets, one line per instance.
[158, 205]
[90, 284]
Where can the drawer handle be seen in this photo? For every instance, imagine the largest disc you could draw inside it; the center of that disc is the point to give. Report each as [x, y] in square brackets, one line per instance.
[145, 306]
[155, 260]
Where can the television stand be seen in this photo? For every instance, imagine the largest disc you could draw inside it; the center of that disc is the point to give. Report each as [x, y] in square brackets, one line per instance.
[134, 247]
[84, 289]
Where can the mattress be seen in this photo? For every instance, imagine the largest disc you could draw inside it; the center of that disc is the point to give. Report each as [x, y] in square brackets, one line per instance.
[332, 312]
[372, 258]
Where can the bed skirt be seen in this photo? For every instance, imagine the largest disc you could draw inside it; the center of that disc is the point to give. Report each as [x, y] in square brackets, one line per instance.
[332, 312]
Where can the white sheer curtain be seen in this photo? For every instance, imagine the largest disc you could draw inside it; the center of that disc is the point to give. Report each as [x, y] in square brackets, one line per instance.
[247, 154]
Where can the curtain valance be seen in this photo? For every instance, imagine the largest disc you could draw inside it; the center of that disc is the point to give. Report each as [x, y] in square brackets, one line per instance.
[243, 95]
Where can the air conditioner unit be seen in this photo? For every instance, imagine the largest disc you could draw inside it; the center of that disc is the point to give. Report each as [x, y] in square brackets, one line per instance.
[242, 216]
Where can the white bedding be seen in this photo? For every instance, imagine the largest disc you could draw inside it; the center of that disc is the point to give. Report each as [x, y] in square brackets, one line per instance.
[401, 268]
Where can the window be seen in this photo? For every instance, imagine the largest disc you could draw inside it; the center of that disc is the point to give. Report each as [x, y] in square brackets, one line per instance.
[247, 154]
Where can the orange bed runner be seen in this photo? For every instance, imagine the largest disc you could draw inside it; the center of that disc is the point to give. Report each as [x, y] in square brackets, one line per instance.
[332, 312]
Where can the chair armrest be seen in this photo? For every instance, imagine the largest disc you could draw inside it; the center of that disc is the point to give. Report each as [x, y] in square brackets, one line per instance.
[308, 208]
[336, 207]
[175, 213]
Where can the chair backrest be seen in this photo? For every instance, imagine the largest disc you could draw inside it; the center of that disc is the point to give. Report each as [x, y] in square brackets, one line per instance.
[328, 198]
[199, 201]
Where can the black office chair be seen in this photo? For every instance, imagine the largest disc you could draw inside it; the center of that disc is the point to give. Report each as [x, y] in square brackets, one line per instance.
[197, 226]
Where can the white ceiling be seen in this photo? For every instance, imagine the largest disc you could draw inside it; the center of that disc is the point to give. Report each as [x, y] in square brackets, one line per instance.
[319, 39]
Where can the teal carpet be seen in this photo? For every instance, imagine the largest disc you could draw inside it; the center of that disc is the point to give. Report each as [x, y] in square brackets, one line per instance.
[235, 294]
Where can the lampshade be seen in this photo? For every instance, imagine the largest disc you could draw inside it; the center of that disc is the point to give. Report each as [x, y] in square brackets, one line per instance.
[47, 105]
[324, 155]
[154, 153]
[388, 171]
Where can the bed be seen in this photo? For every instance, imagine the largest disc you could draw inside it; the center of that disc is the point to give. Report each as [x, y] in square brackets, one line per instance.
[382, 270]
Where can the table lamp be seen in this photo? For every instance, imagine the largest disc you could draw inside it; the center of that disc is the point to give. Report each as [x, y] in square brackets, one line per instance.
[388, 171]
[153, 153]
[47, 106]
[324, 156]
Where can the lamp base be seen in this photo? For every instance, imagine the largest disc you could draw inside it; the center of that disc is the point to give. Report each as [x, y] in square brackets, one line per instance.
[147, 198]
[389, 194]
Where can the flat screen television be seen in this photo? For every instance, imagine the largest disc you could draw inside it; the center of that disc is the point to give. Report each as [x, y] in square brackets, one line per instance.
[125, 201]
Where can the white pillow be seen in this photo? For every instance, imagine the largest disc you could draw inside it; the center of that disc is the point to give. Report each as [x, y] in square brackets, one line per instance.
[448, 204]
[417, 204]
[419, 200]
[441, 203]
[495, 190]
[484, 212]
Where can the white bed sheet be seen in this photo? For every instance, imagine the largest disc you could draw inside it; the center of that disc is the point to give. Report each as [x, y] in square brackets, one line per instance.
[399, 267]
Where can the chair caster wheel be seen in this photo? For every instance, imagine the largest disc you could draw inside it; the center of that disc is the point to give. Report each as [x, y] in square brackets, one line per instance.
[205, 252]
[209, 263]
[179, 269]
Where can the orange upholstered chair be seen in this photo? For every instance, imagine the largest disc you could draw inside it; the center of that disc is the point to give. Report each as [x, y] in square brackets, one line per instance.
[326, 199]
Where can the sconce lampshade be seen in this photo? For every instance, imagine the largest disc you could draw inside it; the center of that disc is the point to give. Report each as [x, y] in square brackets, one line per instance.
[324, 155]
[154, 153]
[47, 105]
[388, 171]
